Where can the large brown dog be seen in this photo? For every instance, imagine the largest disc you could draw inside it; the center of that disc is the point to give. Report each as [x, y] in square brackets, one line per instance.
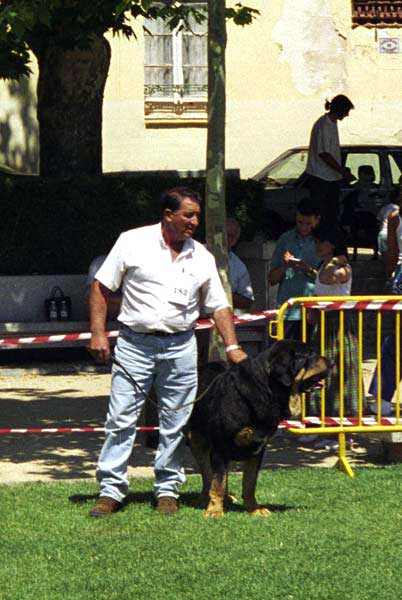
[241, 409]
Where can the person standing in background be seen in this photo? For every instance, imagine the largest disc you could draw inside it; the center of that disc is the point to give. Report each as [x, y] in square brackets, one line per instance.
[324, 164]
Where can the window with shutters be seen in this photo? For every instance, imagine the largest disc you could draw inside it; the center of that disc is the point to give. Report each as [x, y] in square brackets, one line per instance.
[176, 76]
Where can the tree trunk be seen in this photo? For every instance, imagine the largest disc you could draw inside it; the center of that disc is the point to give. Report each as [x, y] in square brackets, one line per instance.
[215, 208]
[70, 97]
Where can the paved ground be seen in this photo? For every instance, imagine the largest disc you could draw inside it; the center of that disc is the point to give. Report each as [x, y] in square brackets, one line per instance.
[61, 394]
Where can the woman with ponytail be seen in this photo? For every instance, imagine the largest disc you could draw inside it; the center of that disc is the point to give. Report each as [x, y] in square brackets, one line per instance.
[324, 165]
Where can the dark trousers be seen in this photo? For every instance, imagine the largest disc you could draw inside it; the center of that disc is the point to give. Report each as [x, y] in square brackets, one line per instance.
[294, 330]
[325, 194]
[388, 371]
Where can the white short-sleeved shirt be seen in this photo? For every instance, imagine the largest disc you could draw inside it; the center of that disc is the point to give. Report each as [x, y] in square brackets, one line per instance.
[239, 277]
[161, 294]
[93, 269]
[324, 138]
[382, 216]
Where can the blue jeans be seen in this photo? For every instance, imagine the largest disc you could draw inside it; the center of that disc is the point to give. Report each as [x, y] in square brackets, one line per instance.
[170, 364]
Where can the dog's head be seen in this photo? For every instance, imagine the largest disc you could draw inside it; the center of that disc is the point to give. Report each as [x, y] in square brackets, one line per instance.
[296, 366]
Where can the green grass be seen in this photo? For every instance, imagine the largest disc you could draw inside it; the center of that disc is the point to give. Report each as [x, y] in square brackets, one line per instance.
[329, 537]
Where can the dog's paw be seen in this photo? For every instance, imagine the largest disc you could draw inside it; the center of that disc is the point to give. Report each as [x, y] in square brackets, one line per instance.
[259, 511]
[214, 514]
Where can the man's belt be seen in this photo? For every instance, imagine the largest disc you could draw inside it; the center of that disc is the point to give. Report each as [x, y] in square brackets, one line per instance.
[159, 333]
[156, 332]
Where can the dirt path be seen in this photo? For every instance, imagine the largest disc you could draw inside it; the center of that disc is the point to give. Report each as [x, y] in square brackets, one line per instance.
[41, 400]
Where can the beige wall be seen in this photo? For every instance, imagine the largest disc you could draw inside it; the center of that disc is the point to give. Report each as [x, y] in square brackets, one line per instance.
[279, 72]
[19, 146]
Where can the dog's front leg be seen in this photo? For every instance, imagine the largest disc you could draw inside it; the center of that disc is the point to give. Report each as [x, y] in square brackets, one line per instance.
[218, 486]
[250, 475]
[201, 452]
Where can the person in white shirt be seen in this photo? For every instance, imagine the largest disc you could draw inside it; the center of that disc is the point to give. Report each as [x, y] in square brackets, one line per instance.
[242, 290]
[383, 215]
[114, 300]
[324, 165]
[166, 277]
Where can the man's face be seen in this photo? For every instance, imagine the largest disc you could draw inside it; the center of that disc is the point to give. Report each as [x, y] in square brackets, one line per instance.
[232, 233]
[305, 224]
[183, 222]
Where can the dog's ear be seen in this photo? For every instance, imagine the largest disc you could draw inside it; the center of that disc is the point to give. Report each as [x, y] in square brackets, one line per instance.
[300, 361]
[286, 363]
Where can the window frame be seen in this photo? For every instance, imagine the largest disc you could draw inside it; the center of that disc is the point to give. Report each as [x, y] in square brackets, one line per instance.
[181, 105]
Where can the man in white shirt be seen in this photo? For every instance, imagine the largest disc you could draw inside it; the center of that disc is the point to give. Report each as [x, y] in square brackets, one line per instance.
[166, 277]
[242, 291]
[324, 165]
[114, 300]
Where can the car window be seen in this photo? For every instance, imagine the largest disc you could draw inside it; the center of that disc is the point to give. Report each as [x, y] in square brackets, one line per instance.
[395, 165]
[354, 160]
[288, 170]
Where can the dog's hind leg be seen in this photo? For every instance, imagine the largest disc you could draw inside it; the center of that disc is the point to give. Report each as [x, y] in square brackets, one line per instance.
[218, 489]
[250, 475]
[201, 452]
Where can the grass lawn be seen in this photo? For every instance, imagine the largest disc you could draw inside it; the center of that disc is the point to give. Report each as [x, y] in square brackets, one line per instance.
[329, 537]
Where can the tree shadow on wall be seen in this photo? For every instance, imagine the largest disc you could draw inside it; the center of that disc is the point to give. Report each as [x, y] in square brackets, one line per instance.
[19, 135]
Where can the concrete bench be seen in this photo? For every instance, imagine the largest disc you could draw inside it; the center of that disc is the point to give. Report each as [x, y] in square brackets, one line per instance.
[22, 310]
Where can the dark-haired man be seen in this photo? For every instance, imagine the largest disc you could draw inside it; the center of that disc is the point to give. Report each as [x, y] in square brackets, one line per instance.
[294, 263]
[165, 276]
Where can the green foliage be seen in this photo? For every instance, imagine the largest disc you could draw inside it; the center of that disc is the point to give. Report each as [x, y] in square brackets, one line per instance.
[242, 15]
[328, 538]
[58, 226]
[34, 24]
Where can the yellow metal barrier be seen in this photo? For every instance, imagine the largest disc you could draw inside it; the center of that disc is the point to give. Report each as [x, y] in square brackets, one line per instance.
[347, 423]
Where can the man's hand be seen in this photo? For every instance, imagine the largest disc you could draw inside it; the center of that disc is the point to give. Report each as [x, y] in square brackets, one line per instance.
[286, 257]
[347, 175]
[99, 347]
[236, 356]
[224, 324]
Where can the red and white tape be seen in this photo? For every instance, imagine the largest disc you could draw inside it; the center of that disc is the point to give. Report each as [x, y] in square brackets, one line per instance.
[371, 304]
[73, 337]
[311, 421]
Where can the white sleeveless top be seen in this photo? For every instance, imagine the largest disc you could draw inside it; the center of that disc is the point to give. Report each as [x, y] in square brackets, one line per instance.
[334, 289]
[399, 238]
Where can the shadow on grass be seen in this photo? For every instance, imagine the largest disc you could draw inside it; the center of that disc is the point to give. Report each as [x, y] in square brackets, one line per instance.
[189, 500]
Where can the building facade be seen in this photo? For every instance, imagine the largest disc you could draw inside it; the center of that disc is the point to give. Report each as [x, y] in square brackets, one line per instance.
[280, 70]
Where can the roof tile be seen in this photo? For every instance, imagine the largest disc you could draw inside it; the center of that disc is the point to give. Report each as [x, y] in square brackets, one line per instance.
[377, 13]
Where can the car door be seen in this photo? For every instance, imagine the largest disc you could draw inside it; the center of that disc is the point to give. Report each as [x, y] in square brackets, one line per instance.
[393, 161]
[371, 195]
